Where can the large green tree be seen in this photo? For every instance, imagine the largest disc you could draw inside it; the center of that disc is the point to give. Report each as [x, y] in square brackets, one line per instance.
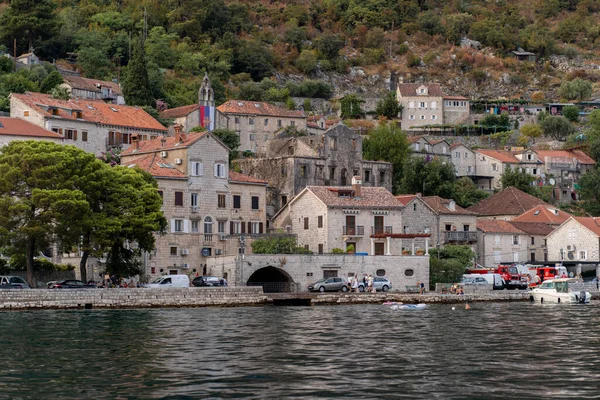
[577, 89]
[40, 201]
[557, 128]
[389, 106]
[430, 177]
[466, 193]
[518, 178]
[136, 85]
[28, 21]
[388, 143]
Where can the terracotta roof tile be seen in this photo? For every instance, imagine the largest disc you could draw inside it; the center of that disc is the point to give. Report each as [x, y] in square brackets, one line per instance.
[343, 196]
[437, 141]
[404, 199]
[91, 85]
[455, 145]
[241, 178]
[19, 127]
[153, 164]
[545, 214]
[410, 89]
[592, 223]
[570, 154]
[534, 228]
[179, 111]
[95, 111]
[500, 155]
[441, 206]
[164, 143]
[510, 201]
[257, 108]
[497, 226]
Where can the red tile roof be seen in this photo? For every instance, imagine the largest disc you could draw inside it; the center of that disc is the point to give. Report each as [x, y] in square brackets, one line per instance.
[437, 141]
[510, 201]
[500, 155]
[455, 145]
[163, 143]
[545, 214]
[241, 178]
[578, 154]
[91, 85]
[592, 223]
[343, 196]
[497, 226]
[442, 206]
[95, 111]
[154, 164]
[534, 228]
[404, 199]
[410, 89]
[414, 139]
[19, 127]
[257, 108]
[179, 111]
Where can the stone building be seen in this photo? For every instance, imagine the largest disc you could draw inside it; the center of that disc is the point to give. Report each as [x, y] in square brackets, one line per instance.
[208, 208]
[499, 242]
[333, 158]
[91, 125]
[417, 216]
[463, 159]
[506, 205]
[93, 89]
[354, 219]
[429, 148]
[493, 163]
[257, 122]
[18, 129]
[193, 115]
[454, 224]
[575, 242]
[425, 104]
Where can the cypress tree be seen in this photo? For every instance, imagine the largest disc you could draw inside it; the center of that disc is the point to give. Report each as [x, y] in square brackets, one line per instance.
[136, 85]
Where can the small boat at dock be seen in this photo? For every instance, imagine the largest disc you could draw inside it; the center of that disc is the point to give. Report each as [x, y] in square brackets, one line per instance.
[562, 290]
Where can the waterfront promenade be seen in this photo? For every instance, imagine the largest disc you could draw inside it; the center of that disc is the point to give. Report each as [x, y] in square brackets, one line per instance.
[221, 297]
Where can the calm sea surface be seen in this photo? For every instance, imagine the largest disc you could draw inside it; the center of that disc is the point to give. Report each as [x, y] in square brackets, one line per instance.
[503, 350]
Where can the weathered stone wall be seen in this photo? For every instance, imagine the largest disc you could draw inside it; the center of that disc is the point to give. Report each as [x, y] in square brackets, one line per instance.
[494, 248]
[573, 234]
[130, 298]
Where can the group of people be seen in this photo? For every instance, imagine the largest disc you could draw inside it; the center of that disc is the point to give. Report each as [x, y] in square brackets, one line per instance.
[354, 283]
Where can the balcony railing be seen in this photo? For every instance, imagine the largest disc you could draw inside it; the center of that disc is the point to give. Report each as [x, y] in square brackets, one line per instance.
[456, 236]
[208, 237]
[354, 230]
[379, 230]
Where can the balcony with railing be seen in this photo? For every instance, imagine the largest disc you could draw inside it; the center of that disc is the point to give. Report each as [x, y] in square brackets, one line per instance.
[354, 230]
[458, 236]
[381, 230]
[209, 239]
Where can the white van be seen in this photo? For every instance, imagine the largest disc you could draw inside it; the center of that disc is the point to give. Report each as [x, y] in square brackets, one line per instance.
[491, 279]
[167, 281]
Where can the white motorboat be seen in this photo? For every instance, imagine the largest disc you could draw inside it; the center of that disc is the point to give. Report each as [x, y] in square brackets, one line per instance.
[562, 290]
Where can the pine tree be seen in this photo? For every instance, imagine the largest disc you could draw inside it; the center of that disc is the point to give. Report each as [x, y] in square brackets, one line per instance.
[136, 85]
[28, 20]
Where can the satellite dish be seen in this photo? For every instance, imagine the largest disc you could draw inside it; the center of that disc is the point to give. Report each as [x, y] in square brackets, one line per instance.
[551, 181]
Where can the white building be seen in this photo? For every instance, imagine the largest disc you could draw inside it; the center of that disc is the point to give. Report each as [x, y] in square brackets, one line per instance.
[17, 129]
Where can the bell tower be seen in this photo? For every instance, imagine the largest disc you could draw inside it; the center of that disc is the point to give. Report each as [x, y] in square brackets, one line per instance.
[206, 96]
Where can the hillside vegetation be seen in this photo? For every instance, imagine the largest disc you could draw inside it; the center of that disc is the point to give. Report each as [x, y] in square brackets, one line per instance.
[341, 42]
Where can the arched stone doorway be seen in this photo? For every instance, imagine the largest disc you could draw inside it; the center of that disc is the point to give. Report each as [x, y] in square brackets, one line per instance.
[272, 280]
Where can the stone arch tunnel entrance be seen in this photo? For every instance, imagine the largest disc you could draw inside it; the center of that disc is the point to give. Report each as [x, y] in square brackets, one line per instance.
[272, 280]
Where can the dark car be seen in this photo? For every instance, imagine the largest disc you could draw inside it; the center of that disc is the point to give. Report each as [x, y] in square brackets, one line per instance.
[207, 281]
[71, 284]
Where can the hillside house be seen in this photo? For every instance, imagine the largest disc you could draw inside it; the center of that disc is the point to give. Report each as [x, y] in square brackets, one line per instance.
[91, 125]
[17, 129]
[93, 89]
[201, 114]
[500, 241]
[575, 241]
[506, 205]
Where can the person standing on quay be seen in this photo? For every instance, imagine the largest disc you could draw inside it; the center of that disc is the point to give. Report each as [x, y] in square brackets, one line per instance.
[355, 284]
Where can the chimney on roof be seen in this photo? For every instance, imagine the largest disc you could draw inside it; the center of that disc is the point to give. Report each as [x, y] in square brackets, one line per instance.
[357, 186]
[178, 128]
[452, 205]
[419, 194]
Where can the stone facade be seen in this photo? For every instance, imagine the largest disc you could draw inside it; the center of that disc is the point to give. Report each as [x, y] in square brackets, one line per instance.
[496, 247]
[418, 217]
[332, 158]
[456, 110]
[425, 104]
[464, 160]
[573, 242]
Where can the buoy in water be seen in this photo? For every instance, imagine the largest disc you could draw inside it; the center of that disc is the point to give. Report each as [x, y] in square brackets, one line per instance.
[467, 306]
[453, 308]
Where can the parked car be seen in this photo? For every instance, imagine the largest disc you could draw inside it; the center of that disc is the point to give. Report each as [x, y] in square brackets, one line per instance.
[170, 281]
[207, 281]
[14, 282]
[380, 283]
[71, 284]
[329, 285]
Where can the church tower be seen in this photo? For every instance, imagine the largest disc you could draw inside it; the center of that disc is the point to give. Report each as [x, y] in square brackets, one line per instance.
[206, 96]
[206, 102]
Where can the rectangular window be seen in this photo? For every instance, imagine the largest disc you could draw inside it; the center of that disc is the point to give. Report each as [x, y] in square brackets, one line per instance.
[84, 136]
[26, 113]
[466, 155]
[434, 117]
[466, 228]
[266, 121]
[279, 123]
[173, 250]
[292, 123]
[221, 227]
[303, 173]
[71, 134]
[411, 117]
[367, 176]
[320, 221]
[197, 168]
[457, 154]
[251, 121]
[235, 228]
[220, 170]
[320, 248]
[178, 225]
[381, 176]
[414, 206]
[237, 120]
[333, 143]
[532, 240]
[494, 167]
[255, 202]
[221, 201]
[583, 255]
[305, 222]
[194, 199]
[283, 200]
[179, 198]
[515, 240]
[255, 227]
[469, 169]
[422, 117]
[448, 227]
[252, 137]
[195, 226]
[237, 201]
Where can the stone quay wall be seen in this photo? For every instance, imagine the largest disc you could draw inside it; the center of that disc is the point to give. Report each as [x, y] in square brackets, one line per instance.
[130, 298]
[428, 298]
